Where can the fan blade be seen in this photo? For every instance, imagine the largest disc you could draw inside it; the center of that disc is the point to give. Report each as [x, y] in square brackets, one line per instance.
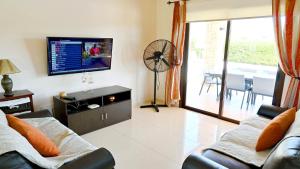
[164, 48]
[151, 58]
[166, 62]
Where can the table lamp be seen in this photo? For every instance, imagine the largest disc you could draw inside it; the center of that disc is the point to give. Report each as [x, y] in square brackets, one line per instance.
[7, 67]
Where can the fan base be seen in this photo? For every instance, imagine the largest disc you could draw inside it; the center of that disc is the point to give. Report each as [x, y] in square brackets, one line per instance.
[155, 106]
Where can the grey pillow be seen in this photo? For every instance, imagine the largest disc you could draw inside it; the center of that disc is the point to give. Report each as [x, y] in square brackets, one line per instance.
[285, 156]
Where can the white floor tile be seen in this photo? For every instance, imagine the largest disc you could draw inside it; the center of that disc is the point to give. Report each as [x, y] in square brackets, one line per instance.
[161, 140]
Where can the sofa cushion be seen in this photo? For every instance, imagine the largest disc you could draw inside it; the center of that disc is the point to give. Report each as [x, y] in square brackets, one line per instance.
[240, 142]
[35, 137]
[70, 144]
[275, 130]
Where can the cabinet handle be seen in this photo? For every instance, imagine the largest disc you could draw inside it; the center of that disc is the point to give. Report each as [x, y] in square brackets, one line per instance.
[102, 117]
[106, 116]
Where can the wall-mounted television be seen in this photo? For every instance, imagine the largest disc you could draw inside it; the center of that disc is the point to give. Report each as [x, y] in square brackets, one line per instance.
[75, 55]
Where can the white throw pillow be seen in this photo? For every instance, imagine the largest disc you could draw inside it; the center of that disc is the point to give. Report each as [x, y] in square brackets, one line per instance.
[3, 119]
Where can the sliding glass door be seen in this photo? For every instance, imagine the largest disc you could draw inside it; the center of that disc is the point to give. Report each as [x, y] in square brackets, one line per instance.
[248, 49]
[205, 65]
[251, 67]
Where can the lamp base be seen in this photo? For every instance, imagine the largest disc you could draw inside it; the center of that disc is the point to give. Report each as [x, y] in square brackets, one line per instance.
[7, 85]
[8, 94]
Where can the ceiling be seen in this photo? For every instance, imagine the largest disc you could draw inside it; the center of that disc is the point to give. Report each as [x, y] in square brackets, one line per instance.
[217, 4]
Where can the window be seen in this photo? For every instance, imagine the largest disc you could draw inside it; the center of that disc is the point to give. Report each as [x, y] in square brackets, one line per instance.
[251, 67]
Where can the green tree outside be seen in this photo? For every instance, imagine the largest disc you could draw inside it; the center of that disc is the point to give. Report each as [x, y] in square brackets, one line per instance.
[258, 53]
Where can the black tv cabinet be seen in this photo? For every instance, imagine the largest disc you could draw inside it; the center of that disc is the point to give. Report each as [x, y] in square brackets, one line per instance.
[114, 107]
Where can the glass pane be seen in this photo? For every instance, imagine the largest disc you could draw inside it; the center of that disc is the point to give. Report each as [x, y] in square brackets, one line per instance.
[251, 68]
[205, 65]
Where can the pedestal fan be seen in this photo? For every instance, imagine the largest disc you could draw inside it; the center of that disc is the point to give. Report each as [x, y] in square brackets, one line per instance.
[158, 57]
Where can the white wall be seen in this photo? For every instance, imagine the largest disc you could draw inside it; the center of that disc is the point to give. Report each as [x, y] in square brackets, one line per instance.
[164, 31]
[26, 24]
[227, 9]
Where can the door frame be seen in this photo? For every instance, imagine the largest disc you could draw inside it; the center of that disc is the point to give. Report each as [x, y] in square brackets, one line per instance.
[279, 82]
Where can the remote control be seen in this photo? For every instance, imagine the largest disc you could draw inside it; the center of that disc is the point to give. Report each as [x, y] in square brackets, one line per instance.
[69, 98]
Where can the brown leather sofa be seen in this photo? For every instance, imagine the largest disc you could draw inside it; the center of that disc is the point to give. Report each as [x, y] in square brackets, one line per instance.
[99, 159]
[285, 156]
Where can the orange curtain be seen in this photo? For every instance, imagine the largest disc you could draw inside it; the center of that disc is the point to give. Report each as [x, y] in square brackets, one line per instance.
[286, 14]
[172, 91]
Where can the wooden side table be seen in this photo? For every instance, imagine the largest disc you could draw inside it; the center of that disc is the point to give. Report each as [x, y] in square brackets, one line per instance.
[21, 101]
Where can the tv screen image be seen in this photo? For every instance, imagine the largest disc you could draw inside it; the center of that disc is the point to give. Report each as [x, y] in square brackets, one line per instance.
[74, 55]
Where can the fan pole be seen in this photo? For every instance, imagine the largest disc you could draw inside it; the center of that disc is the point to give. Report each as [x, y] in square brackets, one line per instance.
[155, 84]
[155, 87]
[153, 104]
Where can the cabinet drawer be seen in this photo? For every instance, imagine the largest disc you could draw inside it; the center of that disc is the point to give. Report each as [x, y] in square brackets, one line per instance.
[86, 121]
[117, 112]
[16, 108]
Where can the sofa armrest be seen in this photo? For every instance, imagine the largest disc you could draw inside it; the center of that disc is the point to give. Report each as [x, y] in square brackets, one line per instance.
[99, 159]
[37, 114]
[269, 111]
[14, 160]
[285, 156]
[197, 161]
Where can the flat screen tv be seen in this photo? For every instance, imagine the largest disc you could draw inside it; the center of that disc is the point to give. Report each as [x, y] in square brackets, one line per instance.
[74, 55]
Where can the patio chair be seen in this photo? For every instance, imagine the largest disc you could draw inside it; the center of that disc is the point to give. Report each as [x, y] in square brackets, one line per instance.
[262, 86]
[210, 79]
[237, 83]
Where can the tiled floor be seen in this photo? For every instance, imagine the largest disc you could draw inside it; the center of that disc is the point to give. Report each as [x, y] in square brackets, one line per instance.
[158, 140]
[208, 101]
[232, 107]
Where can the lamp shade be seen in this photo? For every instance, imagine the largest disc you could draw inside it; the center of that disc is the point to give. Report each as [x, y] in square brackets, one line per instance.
[7, 67]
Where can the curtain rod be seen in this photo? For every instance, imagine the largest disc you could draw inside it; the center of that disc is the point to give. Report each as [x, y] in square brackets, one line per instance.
[173, 1]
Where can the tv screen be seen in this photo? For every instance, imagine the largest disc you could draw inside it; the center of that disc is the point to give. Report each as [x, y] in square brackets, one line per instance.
[74, 55]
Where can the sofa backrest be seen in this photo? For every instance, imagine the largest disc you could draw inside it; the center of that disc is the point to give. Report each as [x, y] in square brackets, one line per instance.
[270, 111]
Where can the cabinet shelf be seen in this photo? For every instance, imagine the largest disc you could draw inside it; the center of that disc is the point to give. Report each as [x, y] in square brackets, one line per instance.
[114, 107]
